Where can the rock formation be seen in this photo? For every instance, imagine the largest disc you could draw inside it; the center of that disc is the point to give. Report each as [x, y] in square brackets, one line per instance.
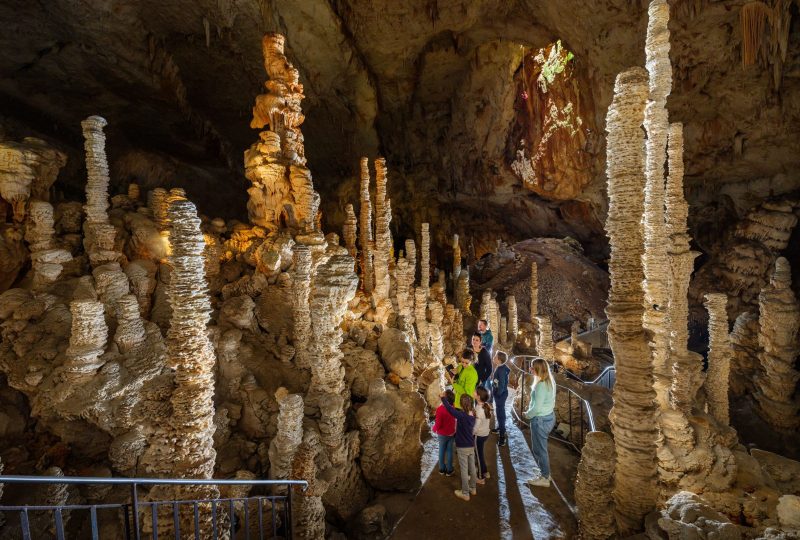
[779, 321]
[365, 235]
[301, 310]
[283, 447]
[633, 415]
[383, 236]
[534, 290]
[719, 358]
[744, 344]
[456, 260]
[27, 170]
[349, 231]
[689, 516]
[544, 338]
[425, 259]
[47, 259]
[513, 319]
[594, 486]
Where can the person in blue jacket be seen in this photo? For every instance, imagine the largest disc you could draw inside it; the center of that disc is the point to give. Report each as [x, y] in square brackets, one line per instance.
[500, 394]
[487, 339]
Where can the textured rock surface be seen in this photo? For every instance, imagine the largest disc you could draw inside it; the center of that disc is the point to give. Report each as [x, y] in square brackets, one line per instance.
[719, 358]
[689, 516]
[594, 487]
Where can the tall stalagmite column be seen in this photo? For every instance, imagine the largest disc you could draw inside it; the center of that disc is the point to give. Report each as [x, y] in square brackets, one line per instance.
[87, 341]
[779, 321]
[456, 259]
[534, 291]
[365, 229]
[656, 266]
[100, 234]
[301, 288]
[686, 365]
[544, 339]
[46, 259]
[383, 235]
[190, 353]
[283, 447]
[513, 319]
[719, 357]
[349, 231]
[463, 298]
[425, 259]
[593, 487]
[633, 421]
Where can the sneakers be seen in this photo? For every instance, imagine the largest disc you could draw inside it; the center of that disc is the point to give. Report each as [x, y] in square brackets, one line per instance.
[501, 441]
[495, 431]
[441, 472]
[461, 495]
[450, 473]
[486, 475]
[542, 481]
[480, 481]
[473, 492]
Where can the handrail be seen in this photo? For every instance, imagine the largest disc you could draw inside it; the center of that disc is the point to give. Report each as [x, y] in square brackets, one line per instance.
[134, 510]
[18, 479]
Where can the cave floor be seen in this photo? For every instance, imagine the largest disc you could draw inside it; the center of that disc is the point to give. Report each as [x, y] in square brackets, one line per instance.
[505, 507]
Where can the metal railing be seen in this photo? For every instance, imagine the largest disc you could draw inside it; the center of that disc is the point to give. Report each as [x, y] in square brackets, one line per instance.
[224, 511]
[607, 378]
[584, 415]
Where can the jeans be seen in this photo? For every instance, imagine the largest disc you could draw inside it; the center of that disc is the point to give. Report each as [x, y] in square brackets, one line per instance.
[481, 441]
[541, 426]
[500, 411]
[466, 465]
[446, 445]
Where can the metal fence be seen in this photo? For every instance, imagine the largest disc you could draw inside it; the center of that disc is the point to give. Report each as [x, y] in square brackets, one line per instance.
[245, 516]
[521, 366]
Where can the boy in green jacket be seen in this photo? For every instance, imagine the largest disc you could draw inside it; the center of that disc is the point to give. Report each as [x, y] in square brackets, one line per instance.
[466, 378]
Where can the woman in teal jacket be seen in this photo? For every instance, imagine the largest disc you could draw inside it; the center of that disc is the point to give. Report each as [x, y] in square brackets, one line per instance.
[542, 417]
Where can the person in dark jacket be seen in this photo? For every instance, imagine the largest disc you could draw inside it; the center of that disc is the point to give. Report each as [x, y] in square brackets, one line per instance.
[500, 394]
[465, 444]
[487, 339]
[483, 364]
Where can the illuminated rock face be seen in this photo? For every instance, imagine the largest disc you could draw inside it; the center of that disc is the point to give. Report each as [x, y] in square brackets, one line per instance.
[27, 170]
[47, 258]
[779, 322]
[719, 357]
[365, 235]
[594, 487]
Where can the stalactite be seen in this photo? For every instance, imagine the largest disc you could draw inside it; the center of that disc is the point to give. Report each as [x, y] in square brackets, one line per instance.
[594, 486]
[349, 231]
[779, 322]
[544, 338]
[365, 230]
[719, 357]
[383, 235]
[513, 319]
[301, 289]
[686, 368]
[632, 417]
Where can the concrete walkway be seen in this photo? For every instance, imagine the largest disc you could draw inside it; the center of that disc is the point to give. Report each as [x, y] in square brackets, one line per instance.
[505, 507]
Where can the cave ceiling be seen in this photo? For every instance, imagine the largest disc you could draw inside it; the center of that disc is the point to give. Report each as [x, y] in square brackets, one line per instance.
[432, 85]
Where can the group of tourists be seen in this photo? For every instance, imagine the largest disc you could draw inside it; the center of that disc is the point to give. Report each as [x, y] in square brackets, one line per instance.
[478, 396]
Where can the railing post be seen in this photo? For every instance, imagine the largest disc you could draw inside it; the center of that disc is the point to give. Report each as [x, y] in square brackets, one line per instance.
[135, 501]
[289, 513]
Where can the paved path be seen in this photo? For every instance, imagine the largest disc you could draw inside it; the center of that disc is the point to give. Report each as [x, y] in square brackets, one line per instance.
[505, 507]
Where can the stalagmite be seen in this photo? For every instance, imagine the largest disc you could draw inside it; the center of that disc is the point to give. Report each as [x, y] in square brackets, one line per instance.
[404, 290]
[185, 446]
[411, 255]
[158, 204]
[365, 230]
[494, 313]
[594, 486]
[46, 258]
[686, 368]
[486, 304]
[27, 170]
[301, 288]
[349, 231]
[133, 192]
[130, 327]
[289, 437]
[425, 259]
[503, 333]
[421, 317]
[100, 234]
[87, 341]
[463, 298]
[779, 321]
[656, 243]
[719, 357]
[435, 329]
[456, 259]
[513, 319]
[544, 338]
[632, 418]
[534, 291]
[744, 344]
[383, 236]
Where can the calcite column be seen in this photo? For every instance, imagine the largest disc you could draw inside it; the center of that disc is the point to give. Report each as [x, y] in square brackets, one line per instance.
[334, 285]
[594, 487]
[656, 263]
[513, 319]
[503, 333]
[544, 338]
[365, 230]
[133, 192]
[463, 298]
[100, 234]
[27, 170]
[719, 357]
[301, 289]
[46, 259]
[435, 330]
[494, 313]
[779, 320]
[534, 285]
[284, 445]
[421, 316]
[486, 304]
[184, 446]
[745, 362]
[309, 513]
[633, 420]
[158, 205]
[404, 291]
[383, 235]
[349, 231]
[686, 365]
[411, 255]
